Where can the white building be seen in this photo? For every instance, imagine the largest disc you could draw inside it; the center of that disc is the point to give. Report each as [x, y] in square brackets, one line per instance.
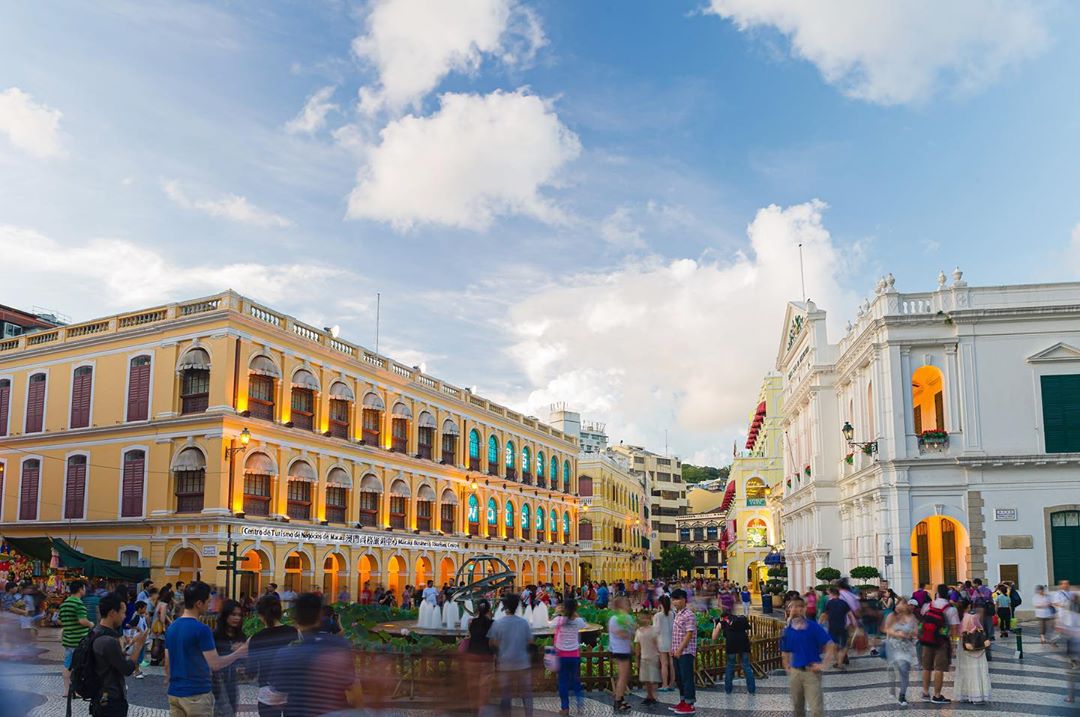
[968, 401]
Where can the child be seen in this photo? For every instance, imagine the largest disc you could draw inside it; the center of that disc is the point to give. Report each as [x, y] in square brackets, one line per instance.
[648, 649]
[137, 626]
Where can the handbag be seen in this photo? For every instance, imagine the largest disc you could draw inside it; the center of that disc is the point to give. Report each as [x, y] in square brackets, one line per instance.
[859, 641]
[551, 659]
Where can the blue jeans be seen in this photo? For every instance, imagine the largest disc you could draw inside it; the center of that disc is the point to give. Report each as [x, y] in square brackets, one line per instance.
[748, 671]
[569, 679]
[684, 676]
[515, 683]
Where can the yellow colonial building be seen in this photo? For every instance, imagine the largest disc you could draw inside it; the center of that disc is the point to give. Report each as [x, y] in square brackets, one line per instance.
[750, 530]
[614, 523]
[153, 437]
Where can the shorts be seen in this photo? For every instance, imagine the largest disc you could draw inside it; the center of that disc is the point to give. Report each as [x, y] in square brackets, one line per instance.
[650, 670]
[840, 637]
[936, 659]
[621, 656]
[69, 652]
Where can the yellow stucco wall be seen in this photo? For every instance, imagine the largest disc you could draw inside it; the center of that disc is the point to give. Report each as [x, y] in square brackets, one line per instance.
[618, 500]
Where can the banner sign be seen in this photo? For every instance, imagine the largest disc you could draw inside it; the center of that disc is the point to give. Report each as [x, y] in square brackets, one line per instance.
[755, 501]
[323, 536]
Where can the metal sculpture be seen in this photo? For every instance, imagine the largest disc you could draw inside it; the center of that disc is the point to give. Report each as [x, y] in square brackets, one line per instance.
[482, 575]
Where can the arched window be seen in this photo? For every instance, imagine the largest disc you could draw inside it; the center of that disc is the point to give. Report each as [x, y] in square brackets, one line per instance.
[194, 381]
[338, 484]
[757, 533]
[511, 459]
[29, 489]
[341, 402]
[450, 434]
[566, 476]
[5, 404]
[928, 399]
[425, 435]
[526, 522]
[132, 483]
[541, 480]
[370, 490]
[541, 523]
[301, 479]
[35, 403]
[566, 527]
[425, 507]
[399, 504]
[446, 512]
[509, 519]
[554, 474]
[399, 427]
[372, 418]
[492, 514]
[75, 489]
[129, 558]
[526, 465]
[493, 456]
[699, 534]
[712, 532]
[138, 398]
[262, 372]
[585, 530]
[474, 515]
[259, 472]
[553, 525]
[755, 492]
[189, 472]
[684, 533]
[474, 450]
[82, 382]
[304, 388]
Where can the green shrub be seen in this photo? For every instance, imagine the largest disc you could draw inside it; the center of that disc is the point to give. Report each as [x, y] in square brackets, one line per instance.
[827, 574]
[865, 572]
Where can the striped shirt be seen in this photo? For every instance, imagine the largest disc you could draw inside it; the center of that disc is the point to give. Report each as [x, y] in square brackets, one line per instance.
[685, 623]
[71, 611]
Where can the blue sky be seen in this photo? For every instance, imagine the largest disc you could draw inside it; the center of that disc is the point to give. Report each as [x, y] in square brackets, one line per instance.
[590, 202]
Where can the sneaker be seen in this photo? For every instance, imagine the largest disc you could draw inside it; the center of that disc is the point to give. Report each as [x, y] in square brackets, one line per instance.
[666, 689]
[685, 709]
[925, 697]
[902, 701]
[682, 703]
[939, 700]
[649, 701]
[623, 706]
[140, 676]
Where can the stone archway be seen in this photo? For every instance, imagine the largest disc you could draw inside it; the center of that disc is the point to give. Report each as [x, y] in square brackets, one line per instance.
[367, 568]
[187, 564]
[396, 575]
[257, 564]
[447, 571]
[335, 576]
[423, 572]
[297, 568]
[940, 551]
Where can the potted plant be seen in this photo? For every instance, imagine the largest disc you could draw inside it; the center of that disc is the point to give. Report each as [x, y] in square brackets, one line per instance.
[776, 585]
[849, 458]
[827, 575]
[865, 573]
[868, 450]
[934, 437]
[806, 470]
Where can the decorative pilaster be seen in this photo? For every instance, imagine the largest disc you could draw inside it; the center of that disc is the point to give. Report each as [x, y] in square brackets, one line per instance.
[977, 566]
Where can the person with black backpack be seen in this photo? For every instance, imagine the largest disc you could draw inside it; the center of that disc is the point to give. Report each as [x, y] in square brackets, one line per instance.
[940, 623]
[99, 666]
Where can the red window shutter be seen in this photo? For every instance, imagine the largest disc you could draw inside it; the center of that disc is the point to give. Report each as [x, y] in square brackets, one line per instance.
[80, 396]
[29, 493]
[131, 502]
[75, 490]
[138, 408]
[35, 403]
[5, 403]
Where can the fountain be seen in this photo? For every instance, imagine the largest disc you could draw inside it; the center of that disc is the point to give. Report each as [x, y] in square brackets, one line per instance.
[483, 577]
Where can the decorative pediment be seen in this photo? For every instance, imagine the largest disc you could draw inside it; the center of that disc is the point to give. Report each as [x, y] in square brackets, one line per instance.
[1060, 351]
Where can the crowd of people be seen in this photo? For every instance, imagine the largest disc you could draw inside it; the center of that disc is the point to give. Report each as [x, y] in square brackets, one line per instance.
[652, 624]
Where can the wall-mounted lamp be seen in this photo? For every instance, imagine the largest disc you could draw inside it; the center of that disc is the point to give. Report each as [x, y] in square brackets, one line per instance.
[868, 448]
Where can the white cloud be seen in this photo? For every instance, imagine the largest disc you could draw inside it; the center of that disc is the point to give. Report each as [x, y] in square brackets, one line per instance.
[108, 274]
[890, 52]
[228, 206]
[413, 44]
[621, 230]
[312, 117]
[683, 344]
[31, 127]
[475, 158]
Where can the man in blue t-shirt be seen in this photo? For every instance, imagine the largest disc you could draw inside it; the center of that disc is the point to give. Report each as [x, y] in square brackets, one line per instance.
[190, 656]
[602, 595]
[802, 645]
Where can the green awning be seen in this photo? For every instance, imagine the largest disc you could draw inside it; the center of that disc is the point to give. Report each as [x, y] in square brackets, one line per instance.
[92, 567]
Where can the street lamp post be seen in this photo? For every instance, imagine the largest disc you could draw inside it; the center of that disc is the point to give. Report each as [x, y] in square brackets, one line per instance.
[230, 452]
[869, 447]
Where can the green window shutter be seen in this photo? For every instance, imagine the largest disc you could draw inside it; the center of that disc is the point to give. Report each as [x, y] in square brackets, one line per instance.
[1061, 413]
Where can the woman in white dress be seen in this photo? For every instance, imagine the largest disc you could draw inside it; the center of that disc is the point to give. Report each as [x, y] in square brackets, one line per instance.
[663, 620]
[901, 629]
[972, 682]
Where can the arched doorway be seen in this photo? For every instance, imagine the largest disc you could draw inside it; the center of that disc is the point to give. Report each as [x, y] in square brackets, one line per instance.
[526, 574]
[333, 577]
[928, 399]
[541, 572]
[939, 552]
[255, 564]
[512, 567]
[297, 567]
[446, 570]
[396, 575]
[568, 574]
[186, 562]
[366, 567]
[423, 571]
[1065, 545]
[586, 572]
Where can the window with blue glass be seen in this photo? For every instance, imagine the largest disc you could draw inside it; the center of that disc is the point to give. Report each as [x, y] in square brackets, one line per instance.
[510, 455]
[474, 509]
[566, 476]
[474, 444]
[554, 523]
[492, 512]
[554, 472]
[566, 525]
[526, 459]
[493, 451]
[509, 514]
[711, 532]
[541, 526]
[539, 464]
[525, 522]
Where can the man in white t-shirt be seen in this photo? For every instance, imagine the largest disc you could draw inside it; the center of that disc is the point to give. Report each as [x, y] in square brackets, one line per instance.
[430, 594]
[937, 656]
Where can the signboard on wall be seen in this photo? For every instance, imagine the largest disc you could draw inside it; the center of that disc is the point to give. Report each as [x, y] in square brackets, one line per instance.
[752, 502]
[324, 536]
[1005, 514]
[209, 551]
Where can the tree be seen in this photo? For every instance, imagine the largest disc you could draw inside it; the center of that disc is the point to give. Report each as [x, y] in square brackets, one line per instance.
[673, 560]
[827, 574]
[697, 474]
[865, 572]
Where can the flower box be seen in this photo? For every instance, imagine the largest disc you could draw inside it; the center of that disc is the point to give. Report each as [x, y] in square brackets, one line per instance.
[933, 438]
[849, 458]
[807, 471]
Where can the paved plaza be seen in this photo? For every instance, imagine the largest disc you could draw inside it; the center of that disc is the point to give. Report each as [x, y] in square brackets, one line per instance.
[1035, 685]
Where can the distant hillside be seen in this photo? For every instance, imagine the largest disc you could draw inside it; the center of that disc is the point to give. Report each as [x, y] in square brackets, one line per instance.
[697, 474]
